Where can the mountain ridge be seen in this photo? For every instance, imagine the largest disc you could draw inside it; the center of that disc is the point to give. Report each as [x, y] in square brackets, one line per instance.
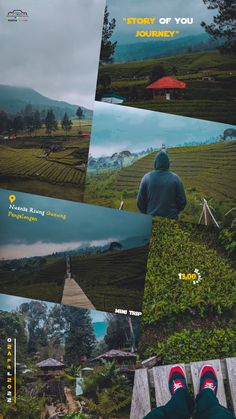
[13, 99]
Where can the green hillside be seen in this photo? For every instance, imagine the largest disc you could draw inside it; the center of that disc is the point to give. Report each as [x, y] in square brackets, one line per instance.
[110, 280]
[207, 171]
[13, 99]
[183, 321]
[206, 99]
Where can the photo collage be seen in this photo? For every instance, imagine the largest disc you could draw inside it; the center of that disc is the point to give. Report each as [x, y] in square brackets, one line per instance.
[118, 209]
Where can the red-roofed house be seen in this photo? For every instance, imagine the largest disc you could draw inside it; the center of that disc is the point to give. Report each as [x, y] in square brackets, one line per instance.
[167, 87]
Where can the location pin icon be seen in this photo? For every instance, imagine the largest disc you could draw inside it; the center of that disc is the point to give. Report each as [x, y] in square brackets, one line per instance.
[12, 198]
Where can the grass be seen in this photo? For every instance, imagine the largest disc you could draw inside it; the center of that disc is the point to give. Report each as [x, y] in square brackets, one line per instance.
[205, 99]
[110, 280]
[207, 171]
[177, 314]
[60, 175]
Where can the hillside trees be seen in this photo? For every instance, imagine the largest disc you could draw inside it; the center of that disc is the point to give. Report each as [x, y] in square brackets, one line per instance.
[66, 123]
[107, 47]
[18, 124]
[37, 120]
[79, 338]
[13, 327]
[5, 123]
[80, 116]
[34, 315]
[121, 332]
[223, 26]
[50, 122]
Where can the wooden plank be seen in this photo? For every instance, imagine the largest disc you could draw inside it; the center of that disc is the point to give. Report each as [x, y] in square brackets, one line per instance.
[160, 377]
[188, 372]
[195, 370]
[74, 296]
[141, 403]
[150, 362]
[231, 371]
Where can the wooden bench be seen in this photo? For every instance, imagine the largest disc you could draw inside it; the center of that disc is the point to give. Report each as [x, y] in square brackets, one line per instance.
[157, 378]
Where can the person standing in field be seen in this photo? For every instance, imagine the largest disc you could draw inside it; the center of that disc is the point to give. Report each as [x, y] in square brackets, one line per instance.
[161, 191]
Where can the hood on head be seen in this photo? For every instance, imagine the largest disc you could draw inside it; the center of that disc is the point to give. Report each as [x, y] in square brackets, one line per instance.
[162, 161]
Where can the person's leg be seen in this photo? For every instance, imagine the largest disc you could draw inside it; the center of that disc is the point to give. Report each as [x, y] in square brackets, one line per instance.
[207, 404]
[180, 405]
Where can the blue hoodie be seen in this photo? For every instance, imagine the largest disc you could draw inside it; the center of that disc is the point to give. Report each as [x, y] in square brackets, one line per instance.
[161, 191]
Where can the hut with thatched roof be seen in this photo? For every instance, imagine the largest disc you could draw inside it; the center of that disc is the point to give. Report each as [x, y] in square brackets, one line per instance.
[52, 373]
[126, 360]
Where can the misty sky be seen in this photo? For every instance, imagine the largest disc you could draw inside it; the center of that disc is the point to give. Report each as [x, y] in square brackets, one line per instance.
[10, 303]
[56, 52]
[117, 128]
[85, 225]
[124, 33]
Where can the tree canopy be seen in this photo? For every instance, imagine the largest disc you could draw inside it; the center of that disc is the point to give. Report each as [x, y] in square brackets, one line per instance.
[108, 47]
[223, 25]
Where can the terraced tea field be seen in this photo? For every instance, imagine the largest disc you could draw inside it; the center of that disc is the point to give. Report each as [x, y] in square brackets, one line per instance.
[212, 99]
[37, 279]
[110, 280]
[26, 166]
[207, 171]
[113, 280]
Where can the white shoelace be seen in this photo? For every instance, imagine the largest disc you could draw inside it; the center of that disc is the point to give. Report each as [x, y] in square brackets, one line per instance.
[210, 385]
[177, 385]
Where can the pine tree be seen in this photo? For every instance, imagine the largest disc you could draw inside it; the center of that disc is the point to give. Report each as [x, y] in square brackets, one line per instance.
[66, 123]
[107, 47]
[223, 26]
[80, 115]
[37, 120]
[80, 338]
[50, 122]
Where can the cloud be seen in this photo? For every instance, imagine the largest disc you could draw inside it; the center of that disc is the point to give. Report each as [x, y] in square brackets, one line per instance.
[116, 128]
[18, 251]
[57, 51]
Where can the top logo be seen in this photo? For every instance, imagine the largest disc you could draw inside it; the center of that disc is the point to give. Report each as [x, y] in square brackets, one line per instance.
[17, 15]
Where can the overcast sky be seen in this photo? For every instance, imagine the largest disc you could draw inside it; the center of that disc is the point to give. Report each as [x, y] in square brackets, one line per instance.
[56, 52]
[85, 224]
[117, 128]
[10, 303]
[152, 8]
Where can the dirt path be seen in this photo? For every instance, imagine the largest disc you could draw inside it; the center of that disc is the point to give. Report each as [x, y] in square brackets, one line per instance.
[74, 295]
[73, 405]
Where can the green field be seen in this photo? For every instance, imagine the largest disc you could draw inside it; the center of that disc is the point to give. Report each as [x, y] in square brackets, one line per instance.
[110, 280]
[59, 175]
[207, 171]
[182, 321]
[206, 99]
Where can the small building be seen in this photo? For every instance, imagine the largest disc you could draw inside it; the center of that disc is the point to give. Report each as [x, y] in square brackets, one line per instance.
[112, 98]
[126, 360]
[167, 88]
[51, 372]
[50, 367]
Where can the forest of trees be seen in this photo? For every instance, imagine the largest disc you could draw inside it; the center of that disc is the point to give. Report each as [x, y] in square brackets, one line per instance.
[31, 120]
[62, 332]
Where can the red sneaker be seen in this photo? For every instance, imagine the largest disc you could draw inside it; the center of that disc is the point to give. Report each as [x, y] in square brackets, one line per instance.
[208, 379]
[177, 379]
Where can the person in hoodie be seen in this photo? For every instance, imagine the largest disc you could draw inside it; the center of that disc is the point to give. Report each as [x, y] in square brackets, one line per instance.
[161, 191]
